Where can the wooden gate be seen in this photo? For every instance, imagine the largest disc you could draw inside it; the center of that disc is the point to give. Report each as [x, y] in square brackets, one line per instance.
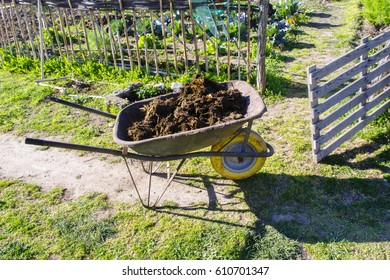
[343, 105]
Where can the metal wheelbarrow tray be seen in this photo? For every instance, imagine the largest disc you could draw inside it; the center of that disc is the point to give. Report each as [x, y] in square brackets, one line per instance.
[184, 142]
[236, 152]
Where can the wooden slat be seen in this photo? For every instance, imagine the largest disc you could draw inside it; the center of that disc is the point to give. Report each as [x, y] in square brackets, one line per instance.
[350, 89]
[350, 73]
[350, 56]
[352, 131]
[336, 114]
[352, 118]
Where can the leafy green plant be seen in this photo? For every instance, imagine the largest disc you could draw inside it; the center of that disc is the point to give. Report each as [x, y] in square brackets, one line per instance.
[287, 9]
[148, 91]
[377, 12]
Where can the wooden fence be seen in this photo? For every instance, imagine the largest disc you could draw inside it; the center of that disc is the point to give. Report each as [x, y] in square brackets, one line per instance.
[160, 36]
[343, 105]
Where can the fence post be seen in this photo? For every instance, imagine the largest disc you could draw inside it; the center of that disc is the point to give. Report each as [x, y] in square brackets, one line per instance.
[261, 45]
[363, 58]
[312, 83]
[42, 41]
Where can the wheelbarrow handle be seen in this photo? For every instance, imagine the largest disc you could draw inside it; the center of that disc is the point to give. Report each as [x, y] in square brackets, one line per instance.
[81, 107]
[48, 143]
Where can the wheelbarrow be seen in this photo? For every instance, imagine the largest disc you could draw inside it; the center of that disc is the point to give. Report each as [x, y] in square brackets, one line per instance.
[236, 152]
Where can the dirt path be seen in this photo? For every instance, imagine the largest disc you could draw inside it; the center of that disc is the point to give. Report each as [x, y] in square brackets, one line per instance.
[50, 168]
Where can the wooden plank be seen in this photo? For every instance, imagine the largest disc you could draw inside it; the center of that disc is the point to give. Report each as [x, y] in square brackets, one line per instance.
[352, 118]
[350, 56]
[315, 132]
[350, 73]
[352, 131]
[336, 114]
[364, 73]
[350, 89]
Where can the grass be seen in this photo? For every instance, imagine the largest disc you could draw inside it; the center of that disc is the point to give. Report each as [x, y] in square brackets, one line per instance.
[90, 228]
[291, 209]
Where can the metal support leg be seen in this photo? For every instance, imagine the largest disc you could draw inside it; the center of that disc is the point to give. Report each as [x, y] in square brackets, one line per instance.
[150, 172]
[135, 185]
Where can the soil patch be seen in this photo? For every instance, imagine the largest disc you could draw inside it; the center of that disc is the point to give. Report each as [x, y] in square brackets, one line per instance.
[201, 103]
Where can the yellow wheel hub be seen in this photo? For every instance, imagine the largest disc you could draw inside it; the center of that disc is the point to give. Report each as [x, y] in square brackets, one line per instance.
[237, 168]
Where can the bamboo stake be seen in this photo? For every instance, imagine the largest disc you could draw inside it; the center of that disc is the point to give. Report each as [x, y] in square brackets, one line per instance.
[100, 29]
[184, 42]
[45, 25]
[3, 36]
[228, 37]
[216, 45]
[164, 37]
[194, 36]
[5, 26]
[63, 33]
[239, 39]
[145, 41]
[248, 77]
[34, 27]
[261, 46]
[205, 48]
[129, 53]
[55, 32]
[154, 44]
[119, 41]
[70, 35]
[76, 28]
[136, 39]
[85, 34]
[94, 23]
[38, 32]
[20, 26]
[11, 21]
[29, 32]
[173, 35]
[42, 42]
[111, 36]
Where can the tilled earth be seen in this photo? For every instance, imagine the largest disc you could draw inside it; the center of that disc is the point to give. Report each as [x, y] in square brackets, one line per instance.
[200, 103]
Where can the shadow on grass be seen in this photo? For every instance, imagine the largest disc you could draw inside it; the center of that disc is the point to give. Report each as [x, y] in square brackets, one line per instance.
[315, 209]
[308, 209]
[319, 15]
[350, 157]
[278, 86]
[321, 25]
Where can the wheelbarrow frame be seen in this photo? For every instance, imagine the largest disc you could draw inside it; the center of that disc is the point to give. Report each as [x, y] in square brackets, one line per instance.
[151, 158]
